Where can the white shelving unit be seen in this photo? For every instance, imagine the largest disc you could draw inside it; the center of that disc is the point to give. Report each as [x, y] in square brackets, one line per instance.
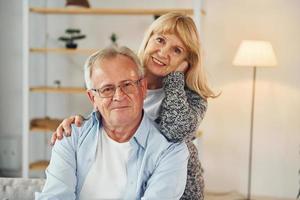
[28, 50]
[25, 61]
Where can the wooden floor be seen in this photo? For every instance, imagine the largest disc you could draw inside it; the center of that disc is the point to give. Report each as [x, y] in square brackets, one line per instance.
[223, 196]
[235, 196]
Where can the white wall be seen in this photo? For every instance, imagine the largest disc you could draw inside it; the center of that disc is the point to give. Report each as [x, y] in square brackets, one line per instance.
[11, 67]
[226, 127]
[277, 109]
[10, 80]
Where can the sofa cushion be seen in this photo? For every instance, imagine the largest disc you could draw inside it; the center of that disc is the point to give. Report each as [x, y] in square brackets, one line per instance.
[19, 188]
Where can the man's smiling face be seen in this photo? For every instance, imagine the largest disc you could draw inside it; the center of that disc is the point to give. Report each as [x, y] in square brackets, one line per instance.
[122, 108]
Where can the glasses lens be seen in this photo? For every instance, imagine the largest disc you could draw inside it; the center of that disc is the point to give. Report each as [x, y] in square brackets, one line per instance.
[128, 87]
[107, 91]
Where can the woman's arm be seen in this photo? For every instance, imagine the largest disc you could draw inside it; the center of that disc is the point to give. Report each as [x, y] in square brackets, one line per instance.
[181, 111]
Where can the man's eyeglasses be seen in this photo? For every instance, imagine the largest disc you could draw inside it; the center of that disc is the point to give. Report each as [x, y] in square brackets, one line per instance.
[108, 91]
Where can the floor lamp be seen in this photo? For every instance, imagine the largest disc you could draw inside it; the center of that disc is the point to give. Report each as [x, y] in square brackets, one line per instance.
[254, 54]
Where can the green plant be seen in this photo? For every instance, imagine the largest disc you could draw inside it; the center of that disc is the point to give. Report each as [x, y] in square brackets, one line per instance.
[81, 3]
[72, 35]
[113, 38]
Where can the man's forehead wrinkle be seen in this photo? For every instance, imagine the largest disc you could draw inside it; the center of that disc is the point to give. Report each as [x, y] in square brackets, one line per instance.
[109, 77]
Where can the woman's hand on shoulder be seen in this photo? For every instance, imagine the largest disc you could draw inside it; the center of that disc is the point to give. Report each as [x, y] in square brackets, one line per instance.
[183, 67]
[64, 129]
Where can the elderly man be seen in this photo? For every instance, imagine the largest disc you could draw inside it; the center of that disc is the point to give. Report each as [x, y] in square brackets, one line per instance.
[117, 153]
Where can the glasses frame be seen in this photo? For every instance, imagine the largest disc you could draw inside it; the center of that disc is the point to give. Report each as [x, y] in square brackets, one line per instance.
[135, 83]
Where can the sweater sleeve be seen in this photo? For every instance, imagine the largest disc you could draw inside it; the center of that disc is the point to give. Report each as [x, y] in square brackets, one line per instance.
[182, 109]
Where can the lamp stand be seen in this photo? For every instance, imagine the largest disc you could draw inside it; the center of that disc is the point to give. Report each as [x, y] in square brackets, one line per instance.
[254, 53]
[251, 138]
[251, 135]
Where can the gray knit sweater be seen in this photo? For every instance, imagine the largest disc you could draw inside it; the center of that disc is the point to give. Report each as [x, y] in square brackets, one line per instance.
[181, 112]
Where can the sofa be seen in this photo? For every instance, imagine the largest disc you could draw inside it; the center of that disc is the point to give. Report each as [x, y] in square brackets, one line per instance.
[19, 188]
[24, 189]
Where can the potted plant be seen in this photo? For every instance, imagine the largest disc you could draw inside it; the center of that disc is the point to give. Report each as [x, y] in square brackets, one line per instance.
[113, 38]
[80, 3]
[72, 35]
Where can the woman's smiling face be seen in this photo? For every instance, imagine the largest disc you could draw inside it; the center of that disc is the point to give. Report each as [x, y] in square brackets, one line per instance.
[164, 53]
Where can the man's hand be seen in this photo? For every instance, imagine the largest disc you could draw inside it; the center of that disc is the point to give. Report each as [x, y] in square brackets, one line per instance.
[64, 129]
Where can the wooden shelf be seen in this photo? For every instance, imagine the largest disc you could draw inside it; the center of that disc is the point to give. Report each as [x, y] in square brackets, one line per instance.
[109, 11]
[42, 89]
[63, 51]
[41, 129]
[39, 165]
[44, 124]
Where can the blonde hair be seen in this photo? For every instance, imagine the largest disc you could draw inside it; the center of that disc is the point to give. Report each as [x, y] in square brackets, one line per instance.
[183, 27]
[109, 52]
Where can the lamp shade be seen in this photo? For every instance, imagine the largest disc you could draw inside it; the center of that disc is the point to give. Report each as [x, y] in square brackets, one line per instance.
[255, 53]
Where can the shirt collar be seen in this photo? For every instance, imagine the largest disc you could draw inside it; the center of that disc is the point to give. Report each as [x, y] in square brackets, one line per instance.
[141, 134]
[96, 116]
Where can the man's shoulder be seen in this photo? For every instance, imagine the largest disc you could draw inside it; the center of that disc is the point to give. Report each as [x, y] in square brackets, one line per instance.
[88, 126]
[158, 148]
[157, 141]
[82, 138]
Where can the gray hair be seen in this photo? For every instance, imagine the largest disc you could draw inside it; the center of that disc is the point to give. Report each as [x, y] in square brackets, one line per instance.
[109, 52]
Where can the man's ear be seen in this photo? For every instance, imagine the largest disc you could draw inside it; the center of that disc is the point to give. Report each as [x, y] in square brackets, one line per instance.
[91, 96]
[144, 84]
